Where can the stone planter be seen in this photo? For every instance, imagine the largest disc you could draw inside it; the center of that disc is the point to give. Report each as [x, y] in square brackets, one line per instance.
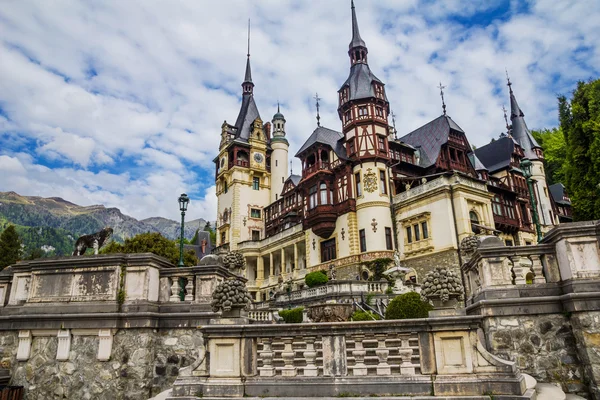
[330, 312]
[445, 308]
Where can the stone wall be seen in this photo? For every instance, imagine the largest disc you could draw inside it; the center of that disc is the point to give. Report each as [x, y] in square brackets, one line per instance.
[543, 346]
[587, 331]
[143, 363]
[423, 264]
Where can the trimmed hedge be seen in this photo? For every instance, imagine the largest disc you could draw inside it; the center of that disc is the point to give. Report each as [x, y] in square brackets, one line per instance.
[408, 305]
[316, 278]
[293, 316]
[364, 316]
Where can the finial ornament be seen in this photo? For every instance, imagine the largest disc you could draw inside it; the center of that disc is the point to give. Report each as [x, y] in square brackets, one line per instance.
[278, 106]
[317, 99]
[442, 94]
[394, 124]
[291, 168]
[506, 120]
[248, 37]
[508, 82]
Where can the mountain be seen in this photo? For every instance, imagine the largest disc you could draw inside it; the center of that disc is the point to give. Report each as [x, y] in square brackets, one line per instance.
[55, 223]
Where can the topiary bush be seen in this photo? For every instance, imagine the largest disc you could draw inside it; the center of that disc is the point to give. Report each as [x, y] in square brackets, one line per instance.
[293, 316]
[364, 316]
[316, 278]
[408, 305]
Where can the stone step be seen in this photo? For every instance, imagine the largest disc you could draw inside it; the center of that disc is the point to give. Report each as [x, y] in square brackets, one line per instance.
[574, 397]
[548, 391]
[163, 395]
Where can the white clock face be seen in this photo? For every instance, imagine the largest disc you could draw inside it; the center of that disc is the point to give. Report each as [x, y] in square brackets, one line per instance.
[258, 157]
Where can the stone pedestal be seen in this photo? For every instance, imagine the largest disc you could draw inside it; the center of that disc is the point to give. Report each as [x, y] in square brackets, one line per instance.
[446, 308]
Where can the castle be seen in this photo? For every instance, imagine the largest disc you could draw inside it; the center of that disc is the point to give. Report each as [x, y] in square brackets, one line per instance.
[365, 194]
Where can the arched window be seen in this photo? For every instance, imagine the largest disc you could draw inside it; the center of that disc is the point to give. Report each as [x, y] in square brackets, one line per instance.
[323, 193]
[474, 221]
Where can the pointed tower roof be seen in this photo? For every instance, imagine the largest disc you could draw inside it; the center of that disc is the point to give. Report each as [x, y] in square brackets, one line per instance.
[520, 132]
[356, 39]
[248, 75]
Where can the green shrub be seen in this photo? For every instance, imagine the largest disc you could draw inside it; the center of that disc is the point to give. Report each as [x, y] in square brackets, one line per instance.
[316, 278]
[293, 316]
[364, 316]
[408, 305]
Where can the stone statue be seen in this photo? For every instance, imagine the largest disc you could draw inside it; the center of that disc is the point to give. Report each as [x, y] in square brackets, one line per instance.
[95, 241]
[396, 258]
[332, 272]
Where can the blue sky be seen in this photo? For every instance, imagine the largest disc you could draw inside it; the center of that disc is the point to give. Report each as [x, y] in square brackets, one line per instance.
[120, 102]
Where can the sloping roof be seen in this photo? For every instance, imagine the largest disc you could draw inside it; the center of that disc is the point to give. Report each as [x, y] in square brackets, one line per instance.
[429, 138]
[328, 137]
[248, 114]
[476, 162]
[520, 131]
[360, 81]
[295, 179]
[558, 192]
[356, 39]
[497, 154]
[197, 246]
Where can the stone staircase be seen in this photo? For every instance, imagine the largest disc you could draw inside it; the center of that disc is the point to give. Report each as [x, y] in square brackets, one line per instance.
[548, 391]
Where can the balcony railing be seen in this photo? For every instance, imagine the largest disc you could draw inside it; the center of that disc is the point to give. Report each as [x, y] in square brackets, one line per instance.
[334, 288]
[322, 166]
[239, 163]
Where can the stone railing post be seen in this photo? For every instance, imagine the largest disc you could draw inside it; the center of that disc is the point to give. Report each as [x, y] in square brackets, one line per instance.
[267, 358]
[288, 357]
[538, 269]
[518, 270]
[310, 355]
[359, 352]
[405, 352]
[383, 368]
[189, 289]
[174, 289]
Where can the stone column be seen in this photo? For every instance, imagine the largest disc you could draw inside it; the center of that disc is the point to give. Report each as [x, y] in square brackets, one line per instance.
[383, 368]
[260, 270]
[267, 358]
[175, 289]
[360, 369]
[405, 352]
[288, 357]
[271, 266]
[296, 256]
[538, 269]
[310, 355]
[283, 268]
[189, 289]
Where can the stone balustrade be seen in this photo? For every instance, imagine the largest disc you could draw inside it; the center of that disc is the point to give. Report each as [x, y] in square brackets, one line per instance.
[412, 357]
[262, 316]
[335, 288]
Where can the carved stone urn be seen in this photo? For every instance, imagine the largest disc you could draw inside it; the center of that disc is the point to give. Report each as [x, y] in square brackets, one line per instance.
[330, 312]
[444, 289]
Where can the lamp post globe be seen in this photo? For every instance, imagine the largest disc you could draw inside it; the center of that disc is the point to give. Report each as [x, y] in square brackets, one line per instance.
[183, 204]
[526, 167]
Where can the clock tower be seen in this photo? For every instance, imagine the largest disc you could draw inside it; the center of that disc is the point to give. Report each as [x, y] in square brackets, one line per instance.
[243, 173]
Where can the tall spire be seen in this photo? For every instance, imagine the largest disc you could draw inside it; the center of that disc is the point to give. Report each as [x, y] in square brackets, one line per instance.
[519, 130]
[247, 85]
[357, 47]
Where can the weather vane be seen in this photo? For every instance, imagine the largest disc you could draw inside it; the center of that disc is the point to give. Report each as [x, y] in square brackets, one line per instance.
[442, 94]
[509, 83]
[248, 37]
[394, 124]
[317, 99]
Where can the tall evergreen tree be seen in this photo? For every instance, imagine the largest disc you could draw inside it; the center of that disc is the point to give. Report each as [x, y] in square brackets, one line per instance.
[555, 153]
[580, 123]
[10, 247]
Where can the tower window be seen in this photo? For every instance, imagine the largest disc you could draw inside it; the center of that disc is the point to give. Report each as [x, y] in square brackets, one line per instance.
[255, 213]
[379, 111]
[225, 186]
[358, 185]
[408, 234]
[256, 183]
[348, 116]
[351, 147]
[323, 193]
[276, 163]
[388, 239]
[363, 111]
[382, 182]
[363, 240]
[312, 197]
[328, 250]
[255, 235]
[381, 143]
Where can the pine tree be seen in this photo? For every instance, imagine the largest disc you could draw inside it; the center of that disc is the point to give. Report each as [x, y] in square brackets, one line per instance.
[580, 123]
[10, 247]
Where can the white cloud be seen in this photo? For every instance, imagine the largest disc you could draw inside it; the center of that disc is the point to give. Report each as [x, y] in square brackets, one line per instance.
[121, 103]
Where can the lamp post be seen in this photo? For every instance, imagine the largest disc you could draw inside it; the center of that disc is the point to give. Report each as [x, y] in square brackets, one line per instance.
[526, 166]
[183, 203]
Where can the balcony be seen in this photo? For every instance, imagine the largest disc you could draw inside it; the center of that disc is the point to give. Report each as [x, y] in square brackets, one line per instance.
[322, 219]
[239, 163]
[322, 166]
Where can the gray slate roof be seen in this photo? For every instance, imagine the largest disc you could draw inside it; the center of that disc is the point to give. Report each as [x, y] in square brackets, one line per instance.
[295, 179]
[476, 163]
[248, 114]
[558, 191]
[197, 246]
[497, 154]
[429, 138]
[356, 39]
[360, 81]
[333, 139]
[520, 132]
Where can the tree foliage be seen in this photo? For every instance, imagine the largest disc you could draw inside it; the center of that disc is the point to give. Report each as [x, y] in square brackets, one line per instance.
[10, 247]
[408, 305]
[293, 316]
[580, 124]
[364, 316]
[555, 153]
[378, 267]
[152, 242]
